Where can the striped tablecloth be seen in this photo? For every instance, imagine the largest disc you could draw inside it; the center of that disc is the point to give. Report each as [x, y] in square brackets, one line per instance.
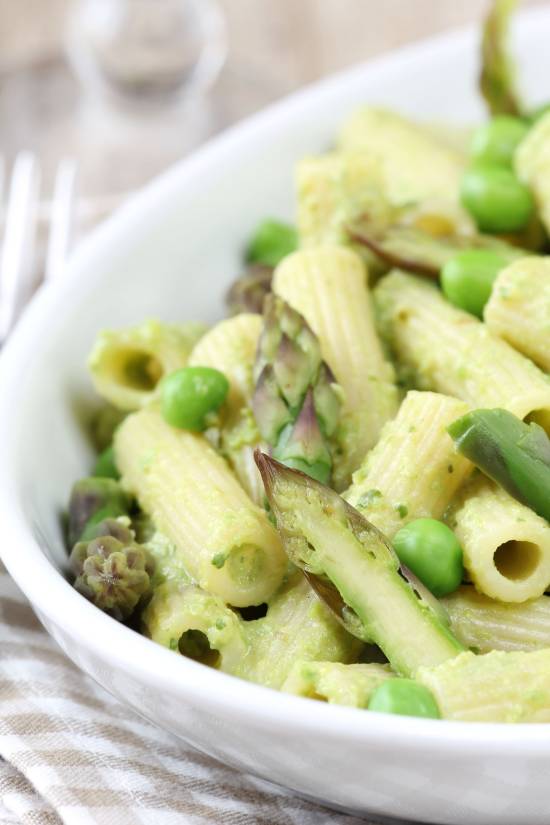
[71, 753]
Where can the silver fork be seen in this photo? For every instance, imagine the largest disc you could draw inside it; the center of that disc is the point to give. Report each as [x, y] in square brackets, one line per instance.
[18, 257]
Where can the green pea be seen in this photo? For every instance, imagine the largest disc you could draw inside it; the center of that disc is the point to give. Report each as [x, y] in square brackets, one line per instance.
[271, 242]
[495, 142]
[496, 199]
[190, 394]
[404, 697]
[467, 278]
[431, 550]
[105, 466]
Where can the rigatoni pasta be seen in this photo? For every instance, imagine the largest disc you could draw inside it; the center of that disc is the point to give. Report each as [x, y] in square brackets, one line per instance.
[414, 470]
[226, 542]
[518, 310]
[445, 349]
[126, 365]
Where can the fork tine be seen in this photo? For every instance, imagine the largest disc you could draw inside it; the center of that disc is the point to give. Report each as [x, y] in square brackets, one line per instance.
[62, 218]
[16, 262]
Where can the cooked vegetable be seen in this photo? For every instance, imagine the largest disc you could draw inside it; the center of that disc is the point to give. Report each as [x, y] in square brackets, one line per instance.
[514, 454]
[111, 570]
[247, 293]
[404, 697]
[496, 199]
[105, 466]
[495, 142]
[416, 250]
[324, 535]
[296, 405]
[431, 550]
[497, 80]
[271, 242]
[467, 278]
[91, 501]
[189, 395]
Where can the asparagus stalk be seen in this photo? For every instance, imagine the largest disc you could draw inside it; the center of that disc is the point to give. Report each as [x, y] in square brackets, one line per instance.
[248, 292]
[422, 252]
[324, 535]
[497, 78]
[296, 403]
[514, 454]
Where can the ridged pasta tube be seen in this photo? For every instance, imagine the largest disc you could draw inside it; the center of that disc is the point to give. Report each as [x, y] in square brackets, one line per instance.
[450, 351]
[127, 364]
[226, 542]
[185, 618]
[519, 308]
[485, 624]
[414, 470]
[532, 165]
[415, 166]
[338, 684]
[230, 347]
[327, 286]
[333, 190]
[496, 687]
[506, 545]
[297, 626]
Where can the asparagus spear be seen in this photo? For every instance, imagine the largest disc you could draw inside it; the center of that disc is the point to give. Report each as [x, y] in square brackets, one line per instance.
[248, 292]
[324, 535]
[296, 403]
[497, 78]
[416, 250]
[514, 454]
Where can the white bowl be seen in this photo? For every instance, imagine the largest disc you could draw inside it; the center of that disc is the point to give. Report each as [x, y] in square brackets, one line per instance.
[171, 253]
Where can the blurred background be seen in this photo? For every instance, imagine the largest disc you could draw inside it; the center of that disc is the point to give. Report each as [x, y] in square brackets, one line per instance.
[128, 86]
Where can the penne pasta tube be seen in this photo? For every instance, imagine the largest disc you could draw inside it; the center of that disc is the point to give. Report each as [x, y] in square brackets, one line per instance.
[335, 683]
[495, 687]
[485, 624]
[126, 365]
[297, 626]
[230, 347]
[225, 541]
[199, 625]
[327, 286]
[506, 546]
[445, 349]
[414, 470]
[414, 164]
[532, 165]
[518, 310]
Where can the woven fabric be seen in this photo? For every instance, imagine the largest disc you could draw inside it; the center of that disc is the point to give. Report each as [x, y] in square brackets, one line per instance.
[71, 754]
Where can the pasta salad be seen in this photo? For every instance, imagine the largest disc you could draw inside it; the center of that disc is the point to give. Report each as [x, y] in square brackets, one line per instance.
[340, 490]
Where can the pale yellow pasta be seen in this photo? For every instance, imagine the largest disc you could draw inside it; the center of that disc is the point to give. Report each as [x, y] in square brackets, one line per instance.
[495, 687]
[448, 350]
[336, 683]
[230, 347]
[519, 308]
[485, 624]
[414, 470]
[127, 364]
[327, 286]
[532, 165]
[506, 545]
[416, 167]
[185, 618]
[333, 190]
[297, 626]
[226, 542]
